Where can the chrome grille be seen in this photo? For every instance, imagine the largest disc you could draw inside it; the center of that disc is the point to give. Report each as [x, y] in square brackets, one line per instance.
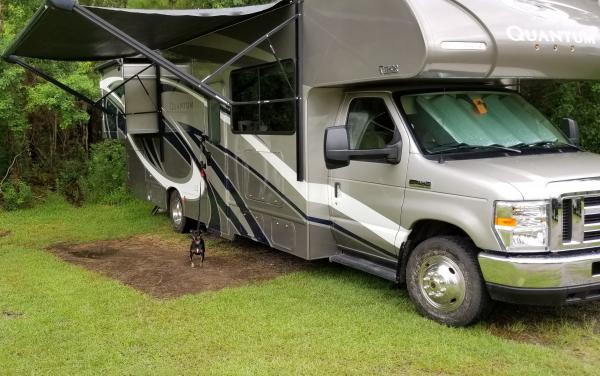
[593, 218]
[567, 217]
[591, 221]
[591, 235]
[579, 222]
[592, 201]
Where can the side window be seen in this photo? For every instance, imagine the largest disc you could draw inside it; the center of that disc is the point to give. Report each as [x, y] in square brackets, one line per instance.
[370, 125]
[264, 83]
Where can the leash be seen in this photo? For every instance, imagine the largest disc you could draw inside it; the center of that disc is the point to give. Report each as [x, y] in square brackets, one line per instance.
[198, 246]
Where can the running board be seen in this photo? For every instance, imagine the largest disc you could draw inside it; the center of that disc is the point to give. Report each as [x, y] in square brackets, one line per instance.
[366, 266]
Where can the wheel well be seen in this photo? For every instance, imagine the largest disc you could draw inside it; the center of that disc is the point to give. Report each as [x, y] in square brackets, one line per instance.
[423, 230]
[169, 192]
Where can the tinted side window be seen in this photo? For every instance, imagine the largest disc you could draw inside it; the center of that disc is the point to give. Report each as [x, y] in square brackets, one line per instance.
[370, 125]
[266, 82]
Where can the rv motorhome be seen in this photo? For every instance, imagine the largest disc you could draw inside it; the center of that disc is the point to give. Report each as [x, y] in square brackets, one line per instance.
[388, 135]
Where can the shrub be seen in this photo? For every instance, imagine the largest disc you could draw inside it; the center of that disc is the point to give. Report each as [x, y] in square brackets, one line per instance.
[105, 182]
[70, 177]
[16, 194]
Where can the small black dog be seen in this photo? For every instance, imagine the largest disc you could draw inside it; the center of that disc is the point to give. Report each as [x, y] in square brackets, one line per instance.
[197, 247]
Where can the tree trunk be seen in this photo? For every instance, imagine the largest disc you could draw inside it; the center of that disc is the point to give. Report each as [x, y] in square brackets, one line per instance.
[53, 142]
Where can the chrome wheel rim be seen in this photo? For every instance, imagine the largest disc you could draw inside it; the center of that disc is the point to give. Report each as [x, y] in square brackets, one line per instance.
[442, 283]
[177, 213]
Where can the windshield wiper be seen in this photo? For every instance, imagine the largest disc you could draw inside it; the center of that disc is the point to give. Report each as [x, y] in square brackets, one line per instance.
[466, 147]
[448, 147]
[546, 145]
[469, 148]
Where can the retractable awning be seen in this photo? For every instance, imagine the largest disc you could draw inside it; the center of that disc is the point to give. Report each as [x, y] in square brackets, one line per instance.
[60, 32]
[65, 30]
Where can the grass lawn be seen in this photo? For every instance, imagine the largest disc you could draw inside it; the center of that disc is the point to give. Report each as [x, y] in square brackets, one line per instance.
[57, 318]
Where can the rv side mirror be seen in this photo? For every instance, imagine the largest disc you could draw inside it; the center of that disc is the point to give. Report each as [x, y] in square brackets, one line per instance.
[337, 147]
[571, 129]
[338, 153]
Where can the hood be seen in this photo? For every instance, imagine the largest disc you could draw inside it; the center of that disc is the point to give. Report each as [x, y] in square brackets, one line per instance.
[521, 177]
[538, 176]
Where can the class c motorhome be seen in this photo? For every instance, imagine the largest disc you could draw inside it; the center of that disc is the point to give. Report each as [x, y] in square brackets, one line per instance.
[388, 135]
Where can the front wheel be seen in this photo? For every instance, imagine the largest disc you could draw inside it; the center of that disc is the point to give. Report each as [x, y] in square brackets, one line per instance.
[445, 283]
[178, 220]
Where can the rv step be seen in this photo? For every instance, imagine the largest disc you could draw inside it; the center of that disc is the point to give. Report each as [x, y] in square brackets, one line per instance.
[364, 265]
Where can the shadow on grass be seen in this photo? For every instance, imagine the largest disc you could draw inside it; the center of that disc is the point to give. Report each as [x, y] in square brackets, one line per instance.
[542, 325]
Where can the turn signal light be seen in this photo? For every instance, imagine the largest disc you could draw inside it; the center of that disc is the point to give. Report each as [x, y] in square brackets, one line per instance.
[506, 222]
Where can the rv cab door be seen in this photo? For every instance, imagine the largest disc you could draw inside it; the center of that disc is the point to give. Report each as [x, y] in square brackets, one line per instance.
[366, 196]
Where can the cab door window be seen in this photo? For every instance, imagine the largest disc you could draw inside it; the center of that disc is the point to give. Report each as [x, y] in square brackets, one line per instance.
[369, 124]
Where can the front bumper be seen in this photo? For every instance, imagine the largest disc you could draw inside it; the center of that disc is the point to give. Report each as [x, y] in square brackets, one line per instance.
[553, 279]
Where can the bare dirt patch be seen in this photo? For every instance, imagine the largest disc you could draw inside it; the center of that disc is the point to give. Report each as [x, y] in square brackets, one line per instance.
[162, 269]
[4, 233]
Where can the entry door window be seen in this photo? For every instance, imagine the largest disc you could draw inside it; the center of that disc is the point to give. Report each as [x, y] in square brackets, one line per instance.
[370, 125]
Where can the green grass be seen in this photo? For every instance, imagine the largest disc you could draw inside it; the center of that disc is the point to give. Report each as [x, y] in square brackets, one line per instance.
[58, 318]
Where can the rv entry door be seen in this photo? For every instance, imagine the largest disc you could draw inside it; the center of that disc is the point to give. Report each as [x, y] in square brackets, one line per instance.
[366, 196]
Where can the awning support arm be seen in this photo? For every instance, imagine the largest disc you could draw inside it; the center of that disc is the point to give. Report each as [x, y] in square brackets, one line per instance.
[274, 53]
[250, 47]
[300, 123]
[151, 55]
[159, 118]
[15, 60]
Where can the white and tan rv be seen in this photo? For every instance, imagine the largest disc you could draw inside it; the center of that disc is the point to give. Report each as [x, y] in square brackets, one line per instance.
[386, 135]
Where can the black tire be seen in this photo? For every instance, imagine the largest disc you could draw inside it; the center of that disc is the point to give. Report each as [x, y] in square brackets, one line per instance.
[178, 221]
[434, 273]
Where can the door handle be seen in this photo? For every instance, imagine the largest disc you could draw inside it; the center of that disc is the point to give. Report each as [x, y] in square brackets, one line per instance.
[336, 189]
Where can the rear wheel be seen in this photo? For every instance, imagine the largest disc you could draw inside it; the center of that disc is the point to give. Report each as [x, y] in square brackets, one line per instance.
[178, 221]
[445, 283]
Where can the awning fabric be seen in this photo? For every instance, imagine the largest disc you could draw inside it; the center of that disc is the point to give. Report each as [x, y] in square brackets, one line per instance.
[57, 34]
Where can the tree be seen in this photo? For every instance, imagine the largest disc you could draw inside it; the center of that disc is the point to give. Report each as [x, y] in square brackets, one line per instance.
[574, 99]
[35, 115]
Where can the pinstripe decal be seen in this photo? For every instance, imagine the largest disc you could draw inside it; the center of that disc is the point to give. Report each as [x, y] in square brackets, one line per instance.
[298, 210]
[214, 222]
[227, 210]
[257, 231]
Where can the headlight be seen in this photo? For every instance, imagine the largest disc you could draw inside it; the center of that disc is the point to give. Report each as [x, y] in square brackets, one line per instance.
[522, 226]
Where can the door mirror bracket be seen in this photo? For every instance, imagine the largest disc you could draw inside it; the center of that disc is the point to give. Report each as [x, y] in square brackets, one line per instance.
[338, 153]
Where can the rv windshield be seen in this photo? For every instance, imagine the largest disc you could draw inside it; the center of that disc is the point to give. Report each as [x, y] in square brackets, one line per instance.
[468, 121]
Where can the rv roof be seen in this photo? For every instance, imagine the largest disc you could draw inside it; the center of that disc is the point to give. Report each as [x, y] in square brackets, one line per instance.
[349, 42]
[357, 41]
